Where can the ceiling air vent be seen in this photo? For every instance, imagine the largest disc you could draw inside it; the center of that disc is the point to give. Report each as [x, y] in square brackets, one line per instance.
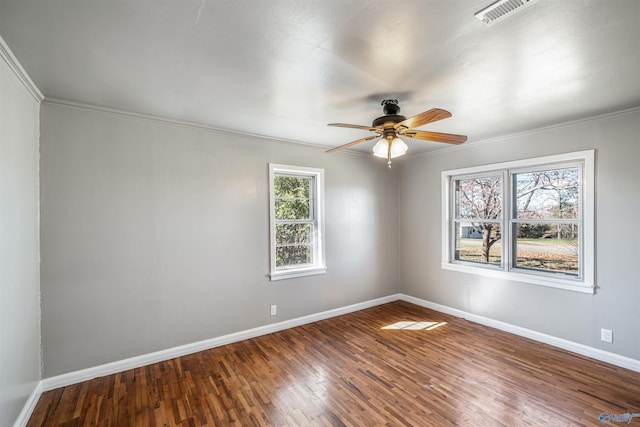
[502, 8]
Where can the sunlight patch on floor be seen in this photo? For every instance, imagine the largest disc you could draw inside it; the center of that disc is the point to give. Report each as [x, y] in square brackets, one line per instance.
[415, 326]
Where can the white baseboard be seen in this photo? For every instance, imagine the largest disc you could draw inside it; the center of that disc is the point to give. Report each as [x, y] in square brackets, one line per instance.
[594, 353]
[138, 361]
[29, 406]
[159, 356]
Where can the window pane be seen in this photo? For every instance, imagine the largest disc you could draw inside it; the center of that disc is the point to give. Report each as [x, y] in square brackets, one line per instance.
[478, 242]
[291, 234]
[550, 194]
[293, 209]
[292, 197]
[293, 255]
[478, 198]
[291, 187]
[548, 247]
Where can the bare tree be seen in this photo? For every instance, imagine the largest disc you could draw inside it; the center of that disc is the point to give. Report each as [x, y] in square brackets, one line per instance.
[541, 195]
[480, 199]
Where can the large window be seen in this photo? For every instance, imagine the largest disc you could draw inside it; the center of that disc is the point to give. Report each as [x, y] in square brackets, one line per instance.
[527, 220]
[296, 204]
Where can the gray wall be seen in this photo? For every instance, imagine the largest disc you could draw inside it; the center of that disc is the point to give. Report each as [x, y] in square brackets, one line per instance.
[565, 314]
[156, 235]
[19, 247]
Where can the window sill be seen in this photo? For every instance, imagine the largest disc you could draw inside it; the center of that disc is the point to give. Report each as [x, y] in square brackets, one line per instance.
[298, 272]
[552, 282]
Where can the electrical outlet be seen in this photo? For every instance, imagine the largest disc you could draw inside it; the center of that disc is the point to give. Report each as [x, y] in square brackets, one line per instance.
[274, 310]
[606, 335]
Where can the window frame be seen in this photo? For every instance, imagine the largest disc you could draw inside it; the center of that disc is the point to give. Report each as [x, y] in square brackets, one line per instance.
[318, 265]
[585, 282]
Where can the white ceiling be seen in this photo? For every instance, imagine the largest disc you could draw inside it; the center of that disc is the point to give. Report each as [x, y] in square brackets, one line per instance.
[286, 68]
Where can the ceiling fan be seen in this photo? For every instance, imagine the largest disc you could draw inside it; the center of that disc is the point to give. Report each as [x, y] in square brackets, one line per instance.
[392, 125]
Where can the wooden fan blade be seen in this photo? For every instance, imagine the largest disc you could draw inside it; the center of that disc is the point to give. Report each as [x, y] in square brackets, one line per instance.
[421, 119]
[449, 138]
[345, 125]
[353, 143]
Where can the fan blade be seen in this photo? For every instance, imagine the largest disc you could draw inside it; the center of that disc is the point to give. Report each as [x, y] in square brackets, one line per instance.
[353, 143]
[418, 120]
[449, 138]
[345, 125]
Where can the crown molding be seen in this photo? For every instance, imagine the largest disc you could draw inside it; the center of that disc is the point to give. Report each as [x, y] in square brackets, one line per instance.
[8, 57]
[527, 132]
[182, 123]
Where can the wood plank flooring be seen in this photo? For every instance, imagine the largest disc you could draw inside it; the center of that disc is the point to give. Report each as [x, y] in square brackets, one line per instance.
[350, 371]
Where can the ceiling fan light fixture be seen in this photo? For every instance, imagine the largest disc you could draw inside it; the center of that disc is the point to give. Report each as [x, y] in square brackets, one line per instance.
[398, 148]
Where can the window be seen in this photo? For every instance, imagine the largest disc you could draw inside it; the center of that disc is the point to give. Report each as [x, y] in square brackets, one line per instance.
[297, 229]
[527, 220]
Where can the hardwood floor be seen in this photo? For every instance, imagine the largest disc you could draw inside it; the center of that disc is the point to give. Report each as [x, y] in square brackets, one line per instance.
[350, 370]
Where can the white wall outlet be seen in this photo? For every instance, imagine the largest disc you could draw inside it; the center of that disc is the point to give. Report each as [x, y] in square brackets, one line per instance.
[606, 335]
[274, 310]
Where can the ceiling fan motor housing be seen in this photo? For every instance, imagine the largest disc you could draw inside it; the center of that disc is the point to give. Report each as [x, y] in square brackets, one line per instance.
[390, 109]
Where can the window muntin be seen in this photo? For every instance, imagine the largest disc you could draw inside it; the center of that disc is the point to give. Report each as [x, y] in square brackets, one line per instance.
[528, 220]
[296, 221]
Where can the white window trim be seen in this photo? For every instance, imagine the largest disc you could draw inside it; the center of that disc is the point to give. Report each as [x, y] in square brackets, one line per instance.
[587, 283]
[319, 266]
